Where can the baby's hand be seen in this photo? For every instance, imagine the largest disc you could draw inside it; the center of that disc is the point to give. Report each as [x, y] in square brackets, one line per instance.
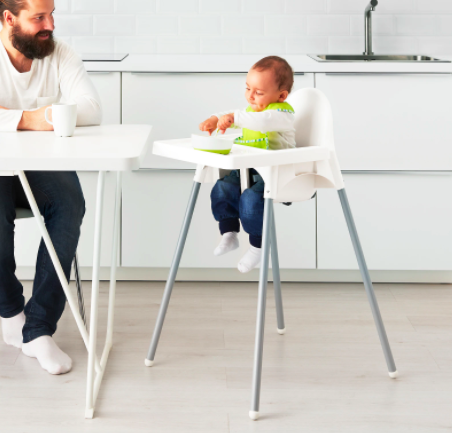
[225, 122]
[209, 125]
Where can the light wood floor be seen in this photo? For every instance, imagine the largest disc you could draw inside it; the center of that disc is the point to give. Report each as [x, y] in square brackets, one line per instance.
[327, 374]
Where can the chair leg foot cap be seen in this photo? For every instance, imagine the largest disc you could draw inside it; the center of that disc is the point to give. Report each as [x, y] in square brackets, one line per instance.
[393, 374]
[254, 415]
[89, 413]
[281, 331]
[148, 363]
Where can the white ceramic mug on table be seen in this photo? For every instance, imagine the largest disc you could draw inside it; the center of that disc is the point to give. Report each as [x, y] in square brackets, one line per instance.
[64, 118]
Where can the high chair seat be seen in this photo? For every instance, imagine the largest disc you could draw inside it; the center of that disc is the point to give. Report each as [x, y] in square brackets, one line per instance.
[290, 175]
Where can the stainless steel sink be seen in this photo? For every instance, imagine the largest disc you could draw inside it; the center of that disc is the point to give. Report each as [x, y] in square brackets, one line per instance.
[374, 58]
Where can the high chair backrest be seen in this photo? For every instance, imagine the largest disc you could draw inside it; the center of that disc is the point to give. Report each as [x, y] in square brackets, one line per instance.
[313, 118]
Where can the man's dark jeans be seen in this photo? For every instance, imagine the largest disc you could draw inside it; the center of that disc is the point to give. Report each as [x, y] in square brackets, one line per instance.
[230, 206]
[60, 200]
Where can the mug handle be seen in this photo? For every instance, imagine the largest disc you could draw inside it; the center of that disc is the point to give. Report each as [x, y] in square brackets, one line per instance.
[45, 115]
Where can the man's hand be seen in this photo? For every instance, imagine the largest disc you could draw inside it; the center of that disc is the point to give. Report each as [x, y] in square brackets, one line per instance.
[35, 120]
[225, 122]
[209, 125]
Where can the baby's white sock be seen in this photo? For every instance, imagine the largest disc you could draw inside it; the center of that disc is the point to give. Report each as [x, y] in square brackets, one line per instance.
[12, 330]
[229, 242]
[250, 260]
[48, 354]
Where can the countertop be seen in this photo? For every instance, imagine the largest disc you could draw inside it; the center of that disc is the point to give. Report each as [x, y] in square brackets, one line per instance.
[213, 63]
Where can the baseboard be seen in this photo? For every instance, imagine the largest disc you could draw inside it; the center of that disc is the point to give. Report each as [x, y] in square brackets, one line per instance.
[289, 275]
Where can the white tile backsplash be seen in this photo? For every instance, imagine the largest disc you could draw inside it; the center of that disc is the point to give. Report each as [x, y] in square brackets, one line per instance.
[435, 5]
[445, 24]
[221, 45]
[114, 25]
[264, 45]
[200, 25]
[263, 6]
[416, 24]
[178, 45]
[286, 25]
[157, 25]
[73, 25]
[305, 6]
[329, 24]
[136, 44]
[253, 26]
[92, 6]
[135, 6]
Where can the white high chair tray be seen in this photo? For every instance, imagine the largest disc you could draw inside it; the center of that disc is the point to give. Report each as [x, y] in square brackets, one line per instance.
[240, 156]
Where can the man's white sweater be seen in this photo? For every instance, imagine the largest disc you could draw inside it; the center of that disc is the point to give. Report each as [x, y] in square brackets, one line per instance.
[60, 77]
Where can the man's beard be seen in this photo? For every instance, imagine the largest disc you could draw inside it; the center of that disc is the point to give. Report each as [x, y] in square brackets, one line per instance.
[30, 45]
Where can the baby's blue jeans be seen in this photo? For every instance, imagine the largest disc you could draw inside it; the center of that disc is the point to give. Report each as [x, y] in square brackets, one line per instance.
[230, 206]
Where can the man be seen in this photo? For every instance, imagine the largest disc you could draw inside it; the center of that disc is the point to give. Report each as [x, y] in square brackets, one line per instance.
[36, 71]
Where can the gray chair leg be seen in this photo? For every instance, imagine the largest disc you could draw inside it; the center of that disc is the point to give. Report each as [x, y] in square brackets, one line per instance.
[263, 278]
[149, 361]
[78, 283]
[368, 284]
[276, 277]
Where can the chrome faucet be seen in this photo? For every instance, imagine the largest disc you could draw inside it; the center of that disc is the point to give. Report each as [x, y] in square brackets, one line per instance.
[368, 27]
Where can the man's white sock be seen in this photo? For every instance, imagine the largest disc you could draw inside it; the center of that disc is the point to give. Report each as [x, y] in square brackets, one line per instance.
[250, 260]
[48, 354]
[12, 330]
[229, 242]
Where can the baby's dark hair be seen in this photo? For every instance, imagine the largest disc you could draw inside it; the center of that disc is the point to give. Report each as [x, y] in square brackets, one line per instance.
[282, 70]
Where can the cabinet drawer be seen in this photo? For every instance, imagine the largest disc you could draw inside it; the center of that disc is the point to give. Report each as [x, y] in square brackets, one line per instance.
[154, 204]
[403, 221]
[175, 104]
[391, 122]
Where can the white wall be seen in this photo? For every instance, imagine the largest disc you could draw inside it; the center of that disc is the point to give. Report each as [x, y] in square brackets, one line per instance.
[253, 26]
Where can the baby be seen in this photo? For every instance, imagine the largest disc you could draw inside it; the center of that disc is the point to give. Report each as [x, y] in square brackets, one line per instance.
[267, 123]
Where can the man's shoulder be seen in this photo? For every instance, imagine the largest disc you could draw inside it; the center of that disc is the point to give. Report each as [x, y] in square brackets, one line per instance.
[62, 51]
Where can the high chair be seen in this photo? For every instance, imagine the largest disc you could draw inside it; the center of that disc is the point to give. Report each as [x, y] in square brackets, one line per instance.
[290, 175]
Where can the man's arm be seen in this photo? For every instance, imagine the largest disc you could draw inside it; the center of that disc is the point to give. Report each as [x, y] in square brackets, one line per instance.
[35, 120]
[77, 87]
[9, 119]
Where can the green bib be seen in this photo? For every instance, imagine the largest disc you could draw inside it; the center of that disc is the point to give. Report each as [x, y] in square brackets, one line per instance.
[257, 138]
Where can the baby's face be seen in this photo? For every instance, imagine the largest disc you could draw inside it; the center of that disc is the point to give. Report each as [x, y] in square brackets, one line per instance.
[262, 90]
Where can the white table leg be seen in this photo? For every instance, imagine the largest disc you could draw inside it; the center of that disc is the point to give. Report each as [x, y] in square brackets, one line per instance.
[56, 262]
[94, 381]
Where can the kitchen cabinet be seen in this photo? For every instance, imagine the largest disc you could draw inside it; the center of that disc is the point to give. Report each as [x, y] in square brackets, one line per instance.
[403, 220]
[391, 121]
[154, 204]
[176, 103]
[108, 85]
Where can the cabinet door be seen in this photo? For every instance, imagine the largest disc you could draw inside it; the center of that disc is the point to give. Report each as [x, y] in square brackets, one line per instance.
[403, 221]
[175, 104]
[154, 204]
[27, 236]
[391, 122]
[108, 85]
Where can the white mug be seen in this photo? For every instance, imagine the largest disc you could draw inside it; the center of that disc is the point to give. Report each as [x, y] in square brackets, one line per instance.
[64, 118]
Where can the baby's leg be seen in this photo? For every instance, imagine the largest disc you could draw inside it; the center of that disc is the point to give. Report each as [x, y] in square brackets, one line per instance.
[225, 197]
[252, 217]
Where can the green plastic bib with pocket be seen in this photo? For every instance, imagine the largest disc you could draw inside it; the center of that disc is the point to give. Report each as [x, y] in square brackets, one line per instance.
[260, 139]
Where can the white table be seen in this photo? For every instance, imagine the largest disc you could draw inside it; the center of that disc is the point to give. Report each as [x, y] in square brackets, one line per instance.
[99, 148]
